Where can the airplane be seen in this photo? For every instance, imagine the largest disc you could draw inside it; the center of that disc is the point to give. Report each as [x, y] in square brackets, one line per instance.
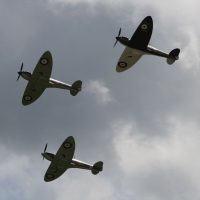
[138, 46]
[64, 160]
[40, 79]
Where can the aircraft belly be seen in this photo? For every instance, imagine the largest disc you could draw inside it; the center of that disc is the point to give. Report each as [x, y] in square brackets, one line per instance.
[79, 164]
[50, 85]
[156, 52]
[61, 162]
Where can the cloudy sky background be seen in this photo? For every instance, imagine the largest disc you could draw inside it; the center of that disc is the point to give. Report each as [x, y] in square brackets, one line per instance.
[142, 123]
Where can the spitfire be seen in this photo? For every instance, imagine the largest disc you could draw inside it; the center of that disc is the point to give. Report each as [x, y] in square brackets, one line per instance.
[64, 160]
[40, 79]
[138, 46]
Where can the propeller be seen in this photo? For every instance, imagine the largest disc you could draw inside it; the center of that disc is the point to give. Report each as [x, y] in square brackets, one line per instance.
[45, 149]
[117, 37]
[20, 71]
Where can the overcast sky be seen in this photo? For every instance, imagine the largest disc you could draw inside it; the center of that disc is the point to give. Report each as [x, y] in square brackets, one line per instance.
[142, 123]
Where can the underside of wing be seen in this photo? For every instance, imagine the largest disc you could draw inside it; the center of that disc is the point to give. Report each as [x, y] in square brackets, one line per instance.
[32, 93]
[128, 58]
[66, 151]
[43, 68]
[142, 35]
[54, 171]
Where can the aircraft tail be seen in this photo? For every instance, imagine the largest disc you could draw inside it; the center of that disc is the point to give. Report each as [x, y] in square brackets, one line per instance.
[175, 54]
[97, 167]
[76, 87]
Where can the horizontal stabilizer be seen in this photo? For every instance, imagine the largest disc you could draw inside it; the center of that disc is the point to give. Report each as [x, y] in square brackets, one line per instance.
[76, 87]
[97, 167]
[175, 54]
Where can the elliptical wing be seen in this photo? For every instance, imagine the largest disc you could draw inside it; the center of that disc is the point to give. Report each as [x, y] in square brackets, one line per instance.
[142, 35]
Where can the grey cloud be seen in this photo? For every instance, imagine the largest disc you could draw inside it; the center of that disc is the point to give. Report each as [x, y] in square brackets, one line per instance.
[82, 48]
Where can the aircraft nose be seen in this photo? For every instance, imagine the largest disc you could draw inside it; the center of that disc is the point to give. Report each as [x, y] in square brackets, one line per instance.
[117, 38]
[20, 73]
[42, 154]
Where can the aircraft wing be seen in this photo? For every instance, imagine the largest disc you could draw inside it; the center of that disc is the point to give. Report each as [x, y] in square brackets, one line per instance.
[44, 67]
[142, 35]
[62, 160]
[66, 150]
[54, 171]
[32, 93]
[128, 58]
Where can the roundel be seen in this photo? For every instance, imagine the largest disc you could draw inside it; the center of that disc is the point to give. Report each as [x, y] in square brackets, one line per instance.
[122, 64]
[144, 26]
[49, 175]
[67, 145]
[44, 61]
[27, 98]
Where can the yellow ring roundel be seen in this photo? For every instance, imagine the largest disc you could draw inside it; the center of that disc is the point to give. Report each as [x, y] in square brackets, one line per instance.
[44, 61]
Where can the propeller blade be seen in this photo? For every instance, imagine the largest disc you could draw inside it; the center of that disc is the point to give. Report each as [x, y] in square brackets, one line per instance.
[20, 71]
[21, 67]
[45, 147]
[119, 32]
[115, 43]
[18, 77]
[117, 36]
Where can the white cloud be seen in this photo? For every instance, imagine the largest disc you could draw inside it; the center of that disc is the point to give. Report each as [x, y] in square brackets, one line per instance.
[159, 167]
[190, 54]
[179, 148]
[21, 177]
[100, 92]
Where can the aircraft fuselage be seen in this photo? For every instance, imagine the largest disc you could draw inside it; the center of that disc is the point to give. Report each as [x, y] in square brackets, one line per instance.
[74, 163]
[40, 81]
[149, 50]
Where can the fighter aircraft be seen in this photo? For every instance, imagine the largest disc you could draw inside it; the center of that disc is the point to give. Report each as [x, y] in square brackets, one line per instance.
[138, 46]
[64, 160]
[40, 79]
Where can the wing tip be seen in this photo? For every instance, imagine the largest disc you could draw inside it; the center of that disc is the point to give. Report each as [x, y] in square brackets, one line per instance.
[148, 18]
[47, 180]
[47, 54]
[119, 69]
[70, 138]
[24, 103]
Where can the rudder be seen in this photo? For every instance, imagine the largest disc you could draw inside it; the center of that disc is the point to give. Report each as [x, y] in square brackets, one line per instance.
[77, 88]
[174, 53]
[97, 167]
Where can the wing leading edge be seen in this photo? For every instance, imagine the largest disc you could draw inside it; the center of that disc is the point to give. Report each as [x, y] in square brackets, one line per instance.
[32, 93]
[40, 76]
[44, 67]
[62, 160]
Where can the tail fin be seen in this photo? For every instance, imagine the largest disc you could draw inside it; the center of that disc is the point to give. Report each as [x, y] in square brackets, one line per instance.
[175, 54]
[97, 167]
[76, 87]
